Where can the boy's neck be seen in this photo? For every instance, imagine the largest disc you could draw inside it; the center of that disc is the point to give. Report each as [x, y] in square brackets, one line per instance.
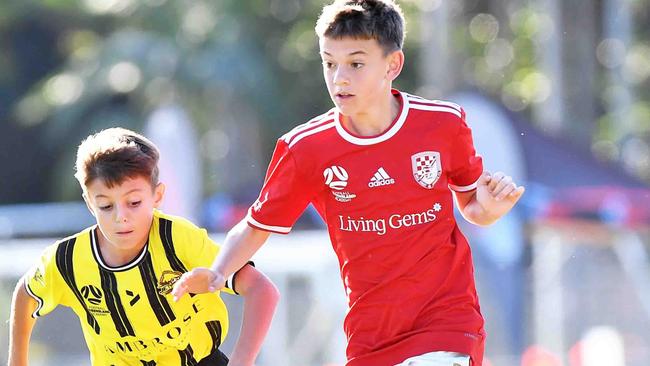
[375, 120]
[116, 257]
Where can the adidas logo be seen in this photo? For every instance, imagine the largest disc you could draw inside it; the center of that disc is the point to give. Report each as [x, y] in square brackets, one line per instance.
[381, 178]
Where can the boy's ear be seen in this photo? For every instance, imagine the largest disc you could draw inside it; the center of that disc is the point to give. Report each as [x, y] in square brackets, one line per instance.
[159, 193]
[85, 197]
[395, 64]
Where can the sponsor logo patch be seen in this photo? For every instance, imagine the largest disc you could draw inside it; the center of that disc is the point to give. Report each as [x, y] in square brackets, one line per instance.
[380, 178]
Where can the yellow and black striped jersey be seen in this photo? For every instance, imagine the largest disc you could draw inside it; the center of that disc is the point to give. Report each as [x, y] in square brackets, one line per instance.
[127, 314]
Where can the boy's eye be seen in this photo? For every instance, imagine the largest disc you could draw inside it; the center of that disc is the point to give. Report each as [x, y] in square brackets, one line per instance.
[357, 65]
[328, 64]
[105, 208]
[135, 203]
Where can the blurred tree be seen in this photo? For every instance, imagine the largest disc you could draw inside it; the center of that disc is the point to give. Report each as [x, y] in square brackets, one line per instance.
[240, 70]
[246, 71]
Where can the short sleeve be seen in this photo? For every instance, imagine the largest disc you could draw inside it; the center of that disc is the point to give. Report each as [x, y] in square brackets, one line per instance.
[44, 283]
[466, 166]
[284, 196]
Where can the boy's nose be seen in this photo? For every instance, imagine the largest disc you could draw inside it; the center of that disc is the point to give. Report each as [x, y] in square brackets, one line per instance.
[120, 216]
[340, 79]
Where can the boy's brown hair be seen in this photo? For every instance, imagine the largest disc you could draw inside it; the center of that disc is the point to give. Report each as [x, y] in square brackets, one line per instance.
[115, 154]
[381, 20]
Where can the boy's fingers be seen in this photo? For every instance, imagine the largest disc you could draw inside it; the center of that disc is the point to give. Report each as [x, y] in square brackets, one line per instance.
[504, 188]
[503, 192]
[180, 287]
[517, 193]
[178, 291]
[494, 180]
[485, 178]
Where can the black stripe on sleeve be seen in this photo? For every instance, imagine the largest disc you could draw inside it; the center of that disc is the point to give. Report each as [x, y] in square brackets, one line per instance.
[39, 301]
[234, 276]
[158, 303]
[166, 237]
[64, 264]
[114, 303]
[214, 328]
[187, 356]
[148, 363]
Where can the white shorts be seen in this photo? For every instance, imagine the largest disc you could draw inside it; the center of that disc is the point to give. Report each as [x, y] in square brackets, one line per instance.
[437, 359]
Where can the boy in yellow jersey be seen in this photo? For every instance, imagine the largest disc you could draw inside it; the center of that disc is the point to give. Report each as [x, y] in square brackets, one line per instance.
[117, 275]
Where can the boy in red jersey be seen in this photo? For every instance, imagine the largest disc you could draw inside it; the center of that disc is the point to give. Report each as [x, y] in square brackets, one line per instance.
[380, 168]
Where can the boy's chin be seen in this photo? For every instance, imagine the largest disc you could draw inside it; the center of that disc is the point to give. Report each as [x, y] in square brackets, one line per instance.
[344, 109]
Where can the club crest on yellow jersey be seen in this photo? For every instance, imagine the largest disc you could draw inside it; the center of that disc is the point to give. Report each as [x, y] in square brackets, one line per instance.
[167, 280]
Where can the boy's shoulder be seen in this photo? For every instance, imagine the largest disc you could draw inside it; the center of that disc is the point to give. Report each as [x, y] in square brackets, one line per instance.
[314, 126]
[71, 239]
[63, 248]
[433, 105]
[158, 214]
[176, 223]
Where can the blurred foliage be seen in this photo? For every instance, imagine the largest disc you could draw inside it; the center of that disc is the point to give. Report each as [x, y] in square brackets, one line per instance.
[502, 55]
[120, 59]
[71, 67]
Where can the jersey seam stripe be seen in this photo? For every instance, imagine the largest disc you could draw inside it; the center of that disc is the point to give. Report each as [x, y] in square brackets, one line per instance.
[420, 104]
[214, 328]
[306, 126]
[313, 120]
[420, 100]
[435, 102]
[187, 356]
[40, 301]
[279, 229]
[114, 303]
[436, 109]
[158, 304]
[66, 270]
[168, 244]
[307, 130]
[321, 128]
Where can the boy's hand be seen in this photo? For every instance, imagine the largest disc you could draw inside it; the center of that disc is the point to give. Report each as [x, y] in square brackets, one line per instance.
[198, 281]
[497, 193]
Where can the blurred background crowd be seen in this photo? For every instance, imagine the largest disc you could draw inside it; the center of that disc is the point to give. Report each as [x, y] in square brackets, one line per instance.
[556, 92]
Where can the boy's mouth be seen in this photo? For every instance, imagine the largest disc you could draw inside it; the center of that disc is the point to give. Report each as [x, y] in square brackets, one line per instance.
[344, 95]
[126, 232]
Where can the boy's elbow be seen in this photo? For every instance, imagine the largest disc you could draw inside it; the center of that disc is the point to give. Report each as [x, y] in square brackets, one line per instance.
[269, 291]
[263, 290]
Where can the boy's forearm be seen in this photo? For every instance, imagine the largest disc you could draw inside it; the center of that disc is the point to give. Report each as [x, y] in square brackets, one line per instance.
[239, 246]
[260, 302]
[21, 325]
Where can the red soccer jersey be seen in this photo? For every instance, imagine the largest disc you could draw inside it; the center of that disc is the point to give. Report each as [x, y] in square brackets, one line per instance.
[406, 267]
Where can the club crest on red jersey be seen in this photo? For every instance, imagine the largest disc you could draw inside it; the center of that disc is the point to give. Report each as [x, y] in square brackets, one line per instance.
[426, 168]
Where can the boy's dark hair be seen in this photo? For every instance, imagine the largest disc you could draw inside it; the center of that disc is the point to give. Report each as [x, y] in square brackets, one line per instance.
[115, 154]
[381, 20]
